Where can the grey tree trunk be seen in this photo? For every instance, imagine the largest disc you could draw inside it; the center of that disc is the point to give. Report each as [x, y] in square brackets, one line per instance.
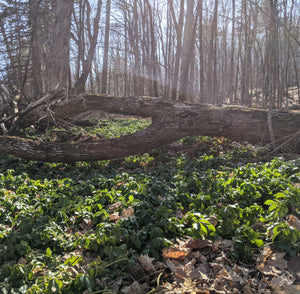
[87, 63]
[58, 64]
[106, 47]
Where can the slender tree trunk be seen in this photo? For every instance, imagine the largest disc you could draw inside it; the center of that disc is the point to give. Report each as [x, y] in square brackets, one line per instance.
[179, 30]
[154, 77]
[201, 53]
[188, 42]
[87, 64]
[106, 46]
[58, 63]
[35, 50]
[212, 58]
[231, 74]
[187, 50]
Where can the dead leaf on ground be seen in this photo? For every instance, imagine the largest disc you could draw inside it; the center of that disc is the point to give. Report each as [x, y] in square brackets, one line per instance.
[135, 288]
[115, 216]
[292, 289]
[293, 221]
[115, 206]
[86, 226]
[179, 213]
[175, 253]
[277, 259]
[213, 220]
[198, 244]
[127, 212]
[286, 279]
[146, 263]
[294, 265]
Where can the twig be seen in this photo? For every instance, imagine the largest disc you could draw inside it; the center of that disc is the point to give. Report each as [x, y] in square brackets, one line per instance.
[30, 107]
[291, 138]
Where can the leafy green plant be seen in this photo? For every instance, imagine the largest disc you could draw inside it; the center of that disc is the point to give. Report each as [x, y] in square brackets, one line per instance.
[63, 227]
[286, 237]
[246, 242]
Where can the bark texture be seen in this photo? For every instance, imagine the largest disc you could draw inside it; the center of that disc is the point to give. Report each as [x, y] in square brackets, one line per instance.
[170, 122]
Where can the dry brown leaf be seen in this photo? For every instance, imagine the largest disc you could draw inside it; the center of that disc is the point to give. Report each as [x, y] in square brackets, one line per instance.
[277, 259]
[226, 244]
[248, 290]
[115, 206]
[197, 244]
[242, 271]
[262, 286]
[179, 213]
[189, 267]
[285, 279]
[175, 253]
[86, 226]
[272, 263]
[114, 216]
[146, 263]
[213, 220]
[174, 266]
[22, 260]
[292, 289]
[201, 273]
[127, 212]
[293, 221]
[198, 256]
[294, 265]
[135, 288]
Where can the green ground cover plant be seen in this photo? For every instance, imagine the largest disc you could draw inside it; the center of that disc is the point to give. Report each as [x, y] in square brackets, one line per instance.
[70, 228]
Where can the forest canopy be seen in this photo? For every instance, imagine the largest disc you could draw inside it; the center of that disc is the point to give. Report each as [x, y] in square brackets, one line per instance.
[208, 51]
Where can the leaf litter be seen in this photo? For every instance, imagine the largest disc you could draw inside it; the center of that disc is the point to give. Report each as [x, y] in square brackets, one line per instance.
[202, 266]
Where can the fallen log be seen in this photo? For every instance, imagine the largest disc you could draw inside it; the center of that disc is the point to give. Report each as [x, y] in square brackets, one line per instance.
[170, 122]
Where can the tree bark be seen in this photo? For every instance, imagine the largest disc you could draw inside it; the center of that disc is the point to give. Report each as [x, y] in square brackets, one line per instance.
[106, 47]
[170, 122]
[179, 30]
[58, 64]
[87, 63]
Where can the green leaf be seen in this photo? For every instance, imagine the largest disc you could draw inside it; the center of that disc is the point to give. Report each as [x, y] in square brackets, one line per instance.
[258, 242]
[48, 252]
[269, 202]
[58, 283]
[279, 195]
[73, 260]
[136, 241]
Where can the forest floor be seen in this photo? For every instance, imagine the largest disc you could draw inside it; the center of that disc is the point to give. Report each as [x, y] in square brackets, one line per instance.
[204, 215]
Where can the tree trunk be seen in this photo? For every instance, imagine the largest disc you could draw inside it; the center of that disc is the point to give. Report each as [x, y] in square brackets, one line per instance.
[170, 122]
[186, 56]
[58, 63]
[35, 50]
[106, 47]
[212, 87]
[179, 30]
[87, 63]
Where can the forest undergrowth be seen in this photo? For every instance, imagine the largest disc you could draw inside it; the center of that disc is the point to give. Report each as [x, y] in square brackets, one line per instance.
[204, 215]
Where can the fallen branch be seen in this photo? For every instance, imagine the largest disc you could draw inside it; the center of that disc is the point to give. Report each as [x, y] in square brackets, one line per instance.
[170, 122]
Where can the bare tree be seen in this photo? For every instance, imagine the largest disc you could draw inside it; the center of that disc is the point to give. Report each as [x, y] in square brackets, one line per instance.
[179, 32]
[106, 45]
[93, 38]
[58, 62]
